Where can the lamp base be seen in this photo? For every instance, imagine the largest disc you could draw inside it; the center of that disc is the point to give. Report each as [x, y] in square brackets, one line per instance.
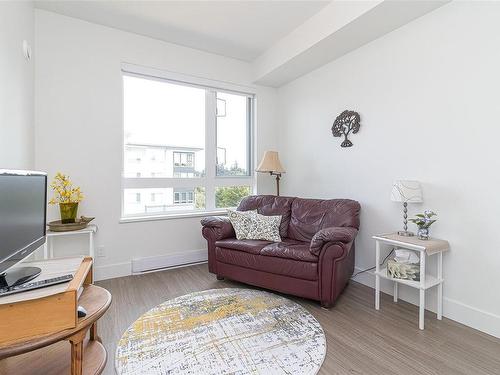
[278, 176]
[405, 233]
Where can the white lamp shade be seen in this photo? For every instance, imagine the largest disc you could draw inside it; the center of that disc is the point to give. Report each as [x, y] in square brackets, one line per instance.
[406, 191]
[270, 163]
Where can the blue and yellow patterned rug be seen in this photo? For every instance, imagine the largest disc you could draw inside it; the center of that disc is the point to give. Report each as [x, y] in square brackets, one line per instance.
[223, 331]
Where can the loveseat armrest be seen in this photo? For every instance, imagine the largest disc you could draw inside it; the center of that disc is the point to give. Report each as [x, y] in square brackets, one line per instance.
[343, 235]
[217, 227]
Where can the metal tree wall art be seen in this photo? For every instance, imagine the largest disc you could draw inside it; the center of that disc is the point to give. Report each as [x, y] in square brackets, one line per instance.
[345, 123]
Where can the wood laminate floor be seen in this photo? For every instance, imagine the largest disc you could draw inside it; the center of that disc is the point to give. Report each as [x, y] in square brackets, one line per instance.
[360, 340]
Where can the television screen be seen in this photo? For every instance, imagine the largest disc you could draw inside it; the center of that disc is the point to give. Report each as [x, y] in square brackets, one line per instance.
[23, 200]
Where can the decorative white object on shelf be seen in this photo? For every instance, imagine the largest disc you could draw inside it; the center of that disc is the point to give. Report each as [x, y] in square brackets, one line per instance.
[401, 270]
[406, 256]
[425, 248]
[48, 247]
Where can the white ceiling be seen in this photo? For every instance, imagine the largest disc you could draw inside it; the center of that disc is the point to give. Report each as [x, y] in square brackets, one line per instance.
[238, 29]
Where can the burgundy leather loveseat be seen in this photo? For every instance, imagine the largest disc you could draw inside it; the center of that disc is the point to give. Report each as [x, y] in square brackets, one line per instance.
[314, 260]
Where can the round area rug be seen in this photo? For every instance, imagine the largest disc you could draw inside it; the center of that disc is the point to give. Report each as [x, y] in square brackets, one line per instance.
[223, 331]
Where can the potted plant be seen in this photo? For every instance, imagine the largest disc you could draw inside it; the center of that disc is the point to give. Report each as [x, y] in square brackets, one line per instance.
[423, 222]
[66, 196]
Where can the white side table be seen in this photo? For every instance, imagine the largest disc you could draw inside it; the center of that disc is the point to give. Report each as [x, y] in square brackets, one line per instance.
[425, 248]
[48, 247]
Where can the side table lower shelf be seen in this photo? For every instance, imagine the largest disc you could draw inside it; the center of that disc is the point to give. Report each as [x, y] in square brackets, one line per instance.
[56, 359]
[430, 280]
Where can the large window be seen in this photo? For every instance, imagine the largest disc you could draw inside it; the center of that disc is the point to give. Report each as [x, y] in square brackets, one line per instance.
[187, 147]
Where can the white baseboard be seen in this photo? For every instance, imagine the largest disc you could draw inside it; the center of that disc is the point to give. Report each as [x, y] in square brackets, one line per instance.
[148, 264]
[481, 320]
[111, 271]
[452, 309]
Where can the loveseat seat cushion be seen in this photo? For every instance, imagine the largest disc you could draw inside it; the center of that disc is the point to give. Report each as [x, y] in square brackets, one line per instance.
[270, 205]
[248, 246]
[279, 266]
[290, 249]
[309, 216]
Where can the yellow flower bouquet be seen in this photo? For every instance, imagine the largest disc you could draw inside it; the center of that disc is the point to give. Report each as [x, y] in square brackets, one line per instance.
[66, 196]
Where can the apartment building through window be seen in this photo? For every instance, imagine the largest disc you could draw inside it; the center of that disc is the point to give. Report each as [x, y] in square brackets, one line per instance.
[187, 146]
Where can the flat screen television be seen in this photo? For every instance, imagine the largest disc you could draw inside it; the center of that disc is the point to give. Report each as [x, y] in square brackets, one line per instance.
[23, 208]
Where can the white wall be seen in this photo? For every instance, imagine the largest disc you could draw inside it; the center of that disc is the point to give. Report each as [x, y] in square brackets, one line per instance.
[16, 86]
[78, 88]
[427, 94]
[428, 98]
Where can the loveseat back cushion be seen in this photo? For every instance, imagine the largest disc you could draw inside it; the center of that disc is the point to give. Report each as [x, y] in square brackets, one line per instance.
[311, 215]
[270, 205]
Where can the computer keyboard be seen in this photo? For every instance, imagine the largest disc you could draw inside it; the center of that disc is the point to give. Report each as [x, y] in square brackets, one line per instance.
[35, 285]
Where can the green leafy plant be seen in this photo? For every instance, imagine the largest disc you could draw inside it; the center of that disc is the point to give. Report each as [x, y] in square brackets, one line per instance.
[424, 220]
[230, 196]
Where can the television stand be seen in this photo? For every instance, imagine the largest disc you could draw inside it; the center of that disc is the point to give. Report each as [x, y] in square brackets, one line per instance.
[18, 275]
[41, 332]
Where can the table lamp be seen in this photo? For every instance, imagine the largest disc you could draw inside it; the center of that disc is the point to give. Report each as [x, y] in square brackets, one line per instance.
[271, 164]
[406, 191]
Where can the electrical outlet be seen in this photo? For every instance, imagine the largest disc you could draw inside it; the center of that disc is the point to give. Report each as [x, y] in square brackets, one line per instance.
[101, 252]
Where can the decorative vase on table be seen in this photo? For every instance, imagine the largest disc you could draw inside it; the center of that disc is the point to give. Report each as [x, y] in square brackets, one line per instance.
[423, 233]
[66, 196]
[424, 222]
[68, 212]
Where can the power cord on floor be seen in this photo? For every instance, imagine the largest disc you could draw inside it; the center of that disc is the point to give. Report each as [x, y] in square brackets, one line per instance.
[372, 268]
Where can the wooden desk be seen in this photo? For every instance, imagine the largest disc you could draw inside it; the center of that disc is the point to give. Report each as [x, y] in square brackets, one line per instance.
[48, 353]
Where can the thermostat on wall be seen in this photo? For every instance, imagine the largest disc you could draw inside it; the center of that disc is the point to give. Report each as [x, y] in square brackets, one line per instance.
[26, 50]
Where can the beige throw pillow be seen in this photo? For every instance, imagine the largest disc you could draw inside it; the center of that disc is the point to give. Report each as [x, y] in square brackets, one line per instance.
[241, 222]
[265, 228]
[249, 225]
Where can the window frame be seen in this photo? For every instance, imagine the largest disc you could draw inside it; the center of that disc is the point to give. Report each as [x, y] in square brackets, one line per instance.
[210, 181]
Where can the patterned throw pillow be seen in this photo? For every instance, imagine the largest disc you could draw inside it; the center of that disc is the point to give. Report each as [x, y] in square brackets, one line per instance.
[265, 228]
[241, 222]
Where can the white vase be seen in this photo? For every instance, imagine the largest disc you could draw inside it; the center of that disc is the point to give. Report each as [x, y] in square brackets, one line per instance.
[423, 233]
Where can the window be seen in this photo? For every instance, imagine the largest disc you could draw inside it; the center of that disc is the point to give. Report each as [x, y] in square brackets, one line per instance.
[187, 146]
[184, 159]
[184, 197]
[232, 124]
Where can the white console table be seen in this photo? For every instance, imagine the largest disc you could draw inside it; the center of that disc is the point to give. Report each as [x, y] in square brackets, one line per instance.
[48, 247]
[425, 248]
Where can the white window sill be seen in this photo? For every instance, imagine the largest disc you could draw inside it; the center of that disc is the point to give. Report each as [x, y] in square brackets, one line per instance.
[186, 215]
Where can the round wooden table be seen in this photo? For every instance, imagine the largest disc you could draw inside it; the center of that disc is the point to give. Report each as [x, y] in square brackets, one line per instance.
[50, 354]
